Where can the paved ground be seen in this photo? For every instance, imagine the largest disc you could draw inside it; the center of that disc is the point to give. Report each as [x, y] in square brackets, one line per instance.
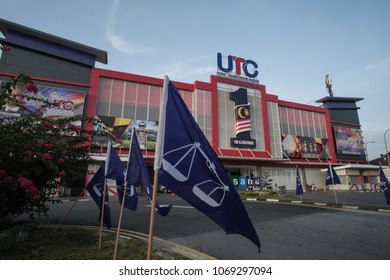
[345, 197]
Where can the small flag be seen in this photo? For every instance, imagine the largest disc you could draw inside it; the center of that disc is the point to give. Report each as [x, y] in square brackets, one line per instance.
[331, 177]
[299, 189]
[137, 173]
[95, 187]
[189, 167]
[384, 185]
[116, 171]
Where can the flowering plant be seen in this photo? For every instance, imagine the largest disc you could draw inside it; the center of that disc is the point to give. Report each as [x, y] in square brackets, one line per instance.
[38, 154]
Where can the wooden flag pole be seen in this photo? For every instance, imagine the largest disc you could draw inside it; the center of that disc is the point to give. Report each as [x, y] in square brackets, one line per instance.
[124, 196]
[71, 208]
[334, 187]
[102, 217]
[120, 220]
[150, 239]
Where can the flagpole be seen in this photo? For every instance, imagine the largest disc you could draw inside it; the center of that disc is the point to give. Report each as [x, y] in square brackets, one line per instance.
[151, 226]
[123, 198]
[334, 189]
[158, 158]
[104, 193]
[120, 221]
[102, 215]
[71, 208]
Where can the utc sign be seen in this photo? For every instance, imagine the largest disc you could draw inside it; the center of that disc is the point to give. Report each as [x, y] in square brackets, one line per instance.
[239, 65]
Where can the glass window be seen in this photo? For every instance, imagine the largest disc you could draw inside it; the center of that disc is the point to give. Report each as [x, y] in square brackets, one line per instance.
[298, 122]
[283, 120]
[130, 100]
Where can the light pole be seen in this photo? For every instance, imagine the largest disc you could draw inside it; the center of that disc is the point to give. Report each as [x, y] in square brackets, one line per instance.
[365, 148]
[387, 152]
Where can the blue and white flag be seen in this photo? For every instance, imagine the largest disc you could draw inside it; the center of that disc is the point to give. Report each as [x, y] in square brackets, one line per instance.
[384, 185]
[331, 177]
[138, 174]
[299, 189]
[95, 187]
[116, 171]
[189, 167]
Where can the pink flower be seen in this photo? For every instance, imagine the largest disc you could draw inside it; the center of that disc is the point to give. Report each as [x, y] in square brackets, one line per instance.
[48, 146]
[86, 144]
[72, 127]
[26, 183]
[62, 173]
[47, 124]
[38, 113]
[30, 87]
[61, 160]
[2, 173]
[46, 156]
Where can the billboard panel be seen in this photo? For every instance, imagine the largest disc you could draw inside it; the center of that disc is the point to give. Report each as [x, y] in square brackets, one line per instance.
[120, 130]
[69, 103]
[349, 141]
[295, 146]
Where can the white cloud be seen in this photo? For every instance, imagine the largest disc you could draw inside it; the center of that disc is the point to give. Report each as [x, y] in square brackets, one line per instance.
[119, 42]
[122, 45]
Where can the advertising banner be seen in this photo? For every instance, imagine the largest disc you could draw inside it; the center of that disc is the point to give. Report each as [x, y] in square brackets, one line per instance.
[305, 147]
[120, 130]
[349, 141]
[66, 103]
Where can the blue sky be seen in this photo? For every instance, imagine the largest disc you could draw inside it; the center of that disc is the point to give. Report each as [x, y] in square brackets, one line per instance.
[295, 43]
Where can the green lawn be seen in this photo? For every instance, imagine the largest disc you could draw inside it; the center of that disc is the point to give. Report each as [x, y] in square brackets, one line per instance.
[31, 242]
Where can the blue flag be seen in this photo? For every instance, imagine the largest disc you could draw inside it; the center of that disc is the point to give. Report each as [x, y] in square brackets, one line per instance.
[95, 187]
[189, 167]
[331, 177]
[384, 185]
[116, 171]
[299, 189]
[138, 174]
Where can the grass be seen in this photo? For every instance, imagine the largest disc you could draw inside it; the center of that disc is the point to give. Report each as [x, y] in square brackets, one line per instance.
[31, 242]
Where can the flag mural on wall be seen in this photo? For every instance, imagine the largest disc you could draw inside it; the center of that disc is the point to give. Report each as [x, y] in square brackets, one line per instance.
[385, 186]
[95, 187]
[188, 166]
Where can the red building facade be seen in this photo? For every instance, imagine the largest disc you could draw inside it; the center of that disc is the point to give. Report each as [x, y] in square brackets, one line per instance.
[251, 130]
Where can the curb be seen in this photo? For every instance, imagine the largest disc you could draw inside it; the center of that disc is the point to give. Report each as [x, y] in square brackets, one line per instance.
[322, 204]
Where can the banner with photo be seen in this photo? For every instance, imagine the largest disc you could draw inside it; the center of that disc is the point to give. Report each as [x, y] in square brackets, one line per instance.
[349, 141]
[69, 103]
[120, 130]
[294, 146]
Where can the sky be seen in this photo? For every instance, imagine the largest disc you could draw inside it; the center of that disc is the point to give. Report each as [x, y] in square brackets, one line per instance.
[294, 42]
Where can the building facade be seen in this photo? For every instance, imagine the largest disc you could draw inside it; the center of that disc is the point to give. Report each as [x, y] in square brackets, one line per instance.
[251, 131]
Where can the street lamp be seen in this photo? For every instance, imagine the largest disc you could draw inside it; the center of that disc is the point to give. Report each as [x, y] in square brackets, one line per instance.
[365, 148]
[387, 152]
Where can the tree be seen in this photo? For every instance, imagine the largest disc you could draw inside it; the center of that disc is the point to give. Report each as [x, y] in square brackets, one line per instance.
[37, 154]
[266, 181]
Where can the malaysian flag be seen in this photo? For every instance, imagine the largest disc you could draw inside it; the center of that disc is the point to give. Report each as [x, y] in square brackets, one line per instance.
[243, 121]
